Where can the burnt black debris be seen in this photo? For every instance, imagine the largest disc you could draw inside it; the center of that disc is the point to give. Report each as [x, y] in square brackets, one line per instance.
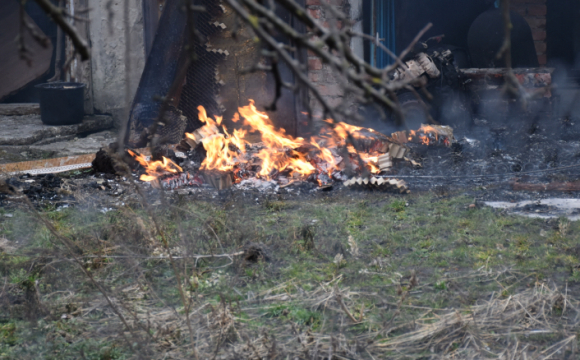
[254, 252]
[37, 188]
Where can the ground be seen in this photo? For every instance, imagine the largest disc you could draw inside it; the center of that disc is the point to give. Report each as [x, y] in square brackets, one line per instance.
[26, 137]
[339, 274]
[297, 272]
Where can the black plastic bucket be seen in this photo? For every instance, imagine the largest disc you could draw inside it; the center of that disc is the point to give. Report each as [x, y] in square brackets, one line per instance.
[61, 103]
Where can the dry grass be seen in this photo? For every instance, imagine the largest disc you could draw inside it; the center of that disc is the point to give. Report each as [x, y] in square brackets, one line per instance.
[506, 324]
[266, 283]
[537, 323]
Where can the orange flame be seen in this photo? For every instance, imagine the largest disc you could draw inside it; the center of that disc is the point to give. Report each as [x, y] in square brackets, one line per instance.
[157, 168]
[226, 150]
[427, 134]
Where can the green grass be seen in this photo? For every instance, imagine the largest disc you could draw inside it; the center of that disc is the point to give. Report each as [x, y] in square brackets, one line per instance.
[447, 244]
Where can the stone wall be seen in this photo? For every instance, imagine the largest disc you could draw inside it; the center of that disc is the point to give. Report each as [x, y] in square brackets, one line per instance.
[535, 11]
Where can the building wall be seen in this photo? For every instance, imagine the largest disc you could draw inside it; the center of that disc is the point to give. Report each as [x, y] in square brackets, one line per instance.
[535, 11]
[111, 64]
[107, 33]
[319, 73]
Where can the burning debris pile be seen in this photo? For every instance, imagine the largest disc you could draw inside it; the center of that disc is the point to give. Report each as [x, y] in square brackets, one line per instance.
[341, 152]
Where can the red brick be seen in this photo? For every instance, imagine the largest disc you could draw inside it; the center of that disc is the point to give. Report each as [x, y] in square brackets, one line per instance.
[520, 10]
[331, 90]
[537, 10]
[543, 59]
[334, 101]
[539, 35]
[313, 76]
[327, 25]
[315, 13]
[537, 23]
[320, 2]
[314, 64]
[540, 47]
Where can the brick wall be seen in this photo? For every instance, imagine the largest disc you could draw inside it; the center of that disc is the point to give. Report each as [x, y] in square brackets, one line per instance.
[534, 11]
[320, 73]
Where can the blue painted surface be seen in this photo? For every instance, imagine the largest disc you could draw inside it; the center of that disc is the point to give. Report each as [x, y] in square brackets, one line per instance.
[385, 26]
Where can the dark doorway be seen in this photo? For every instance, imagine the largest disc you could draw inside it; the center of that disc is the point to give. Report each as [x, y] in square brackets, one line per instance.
[397, 22]
[452, 18]
[562, 29]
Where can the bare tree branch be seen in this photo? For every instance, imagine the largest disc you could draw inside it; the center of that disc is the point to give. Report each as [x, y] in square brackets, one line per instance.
[58, 16]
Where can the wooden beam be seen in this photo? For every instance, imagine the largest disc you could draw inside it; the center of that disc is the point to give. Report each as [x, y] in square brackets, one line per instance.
[553, 186]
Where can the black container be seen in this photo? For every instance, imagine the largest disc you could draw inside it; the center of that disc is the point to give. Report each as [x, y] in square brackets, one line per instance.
[61, 103]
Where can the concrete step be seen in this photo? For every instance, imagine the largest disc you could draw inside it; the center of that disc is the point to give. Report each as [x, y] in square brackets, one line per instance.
[29, 129]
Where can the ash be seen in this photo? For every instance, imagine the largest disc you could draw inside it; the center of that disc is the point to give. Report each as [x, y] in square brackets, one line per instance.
[489, 156]
[483, 163]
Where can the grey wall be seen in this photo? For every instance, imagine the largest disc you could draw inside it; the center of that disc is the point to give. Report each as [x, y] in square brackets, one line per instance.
[115, 70]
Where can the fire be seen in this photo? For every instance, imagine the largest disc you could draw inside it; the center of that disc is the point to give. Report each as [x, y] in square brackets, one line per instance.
[275, 155]
[225, 150]
[296, 158]
[157, 168]
[429, 135]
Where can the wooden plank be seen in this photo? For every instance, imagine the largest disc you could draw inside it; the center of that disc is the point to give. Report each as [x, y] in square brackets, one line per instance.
[61, 164]
[528, 78]
[553, 186]
[48, 166]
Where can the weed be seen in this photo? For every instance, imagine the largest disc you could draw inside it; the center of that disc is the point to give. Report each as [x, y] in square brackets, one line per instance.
[306, 242]
[275, 206]
[397, 206]
[575, 277]
[563, 226]
[7, 334]
[296, 314]
[440, 285]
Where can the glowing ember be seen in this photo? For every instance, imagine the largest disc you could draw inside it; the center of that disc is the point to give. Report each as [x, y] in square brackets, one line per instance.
[428, 135]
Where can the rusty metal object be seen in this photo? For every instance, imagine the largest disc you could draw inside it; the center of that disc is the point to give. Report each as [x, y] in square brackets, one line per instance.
[415, 68]
[493, 79]
[553, 186]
